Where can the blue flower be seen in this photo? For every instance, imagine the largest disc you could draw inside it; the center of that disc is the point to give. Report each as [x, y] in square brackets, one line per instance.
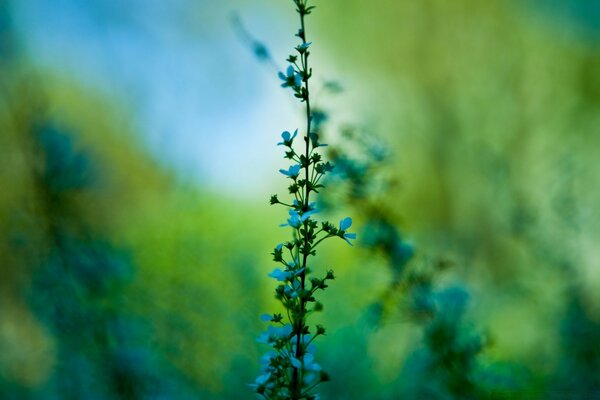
[263, 381]
[303, 47]
[292, 172]
[345, 224]
[290, 78]
[310, 364]
[265, 360]
[348, 236]
[266, 317]
[280, 275]
[296, 220]
[274, 333]
[284, 77]
[288, 139]
[312, 209]
[292, 292]
[295, 362]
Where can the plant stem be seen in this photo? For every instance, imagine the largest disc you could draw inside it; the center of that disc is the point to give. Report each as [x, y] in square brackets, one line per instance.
[296, 386]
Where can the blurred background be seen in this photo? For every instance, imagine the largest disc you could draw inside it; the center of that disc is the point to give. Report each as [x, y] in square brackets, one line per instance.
[138, 149]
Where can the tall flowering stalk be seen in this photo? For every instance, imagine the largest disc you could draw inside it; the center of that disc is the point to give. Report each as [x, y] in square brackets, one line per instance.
[289, 369]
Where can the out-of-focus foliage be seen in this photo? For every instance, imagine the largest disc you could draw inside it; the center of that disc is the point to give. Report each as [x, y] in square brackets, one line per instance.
[492, 107]
[65, 281]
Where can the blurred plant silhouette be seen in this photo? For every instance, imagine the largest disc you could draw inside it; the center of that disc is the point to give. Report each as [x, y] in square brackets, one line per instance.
[445, 365]
[78, 278]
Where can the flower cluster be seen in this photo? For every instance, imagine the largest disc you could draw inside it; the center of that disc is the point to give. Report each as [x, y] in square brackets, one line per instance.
[289, 369]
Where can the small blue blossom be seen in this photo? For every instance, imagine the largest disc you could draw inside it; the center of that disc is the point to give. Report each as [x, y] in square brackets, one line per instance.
[264, 338]
[303, 47]
[289, 73]
[280, 275]
[263, 381]
[291, 78]
[274, 333]
[288, 138]
[265, 360]
[348, 236]
[296, 220]
[266, 317]
[292, 292]
[292, 172]
[283, 331]
[295, 362]
[310, 364]
[345, 224]
[312, 209]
